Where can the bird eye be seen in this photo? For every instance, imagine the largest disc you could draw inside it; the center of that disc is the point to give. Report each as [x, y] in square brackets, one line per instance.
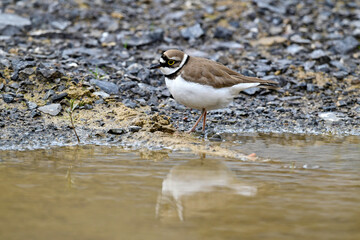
[171, 62]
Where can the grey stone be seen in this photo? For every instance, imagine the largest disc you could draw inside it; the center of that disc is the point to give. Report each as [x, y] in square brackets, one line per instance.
[323, 68]
[251, 91]
[117, 131]
[101, 94]
[330, 116]
[58, 97]
[298, 39]
[340, 74]
[134, 128]
[31, 105]
[346, 45]
[8, 98]
[52, 109]
[145, 38]
[108, 87]
[317, 54]
[192, 32]
[223, 33]
[294, 49]
[309, 65]
[7, 19]
[61, 25]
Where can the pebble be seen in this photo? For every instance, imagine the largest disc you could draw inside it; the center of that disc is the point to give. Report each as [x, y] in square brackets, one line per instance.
[116, 131]
[8, 98]
[346, 45]
[192, 32]
[134, 128]
[52, 109]
[108, 87]
[329, 116]
[340, 74]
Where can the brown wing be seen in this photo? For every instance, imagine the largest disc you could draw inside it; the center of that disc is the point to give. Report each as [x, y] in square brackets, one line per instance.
[204, 71]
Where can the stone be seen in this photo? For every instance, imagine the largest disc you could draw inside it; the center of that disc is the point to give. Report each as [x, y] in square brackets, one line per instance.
[59, 97]
[346, 45]
[145, 38]
[108, 87]
[8, 98]
[298, 39]
[192, 32]
[7, 19]
[223, 33]
[116, 131]
[309, 65]
[51, 109]
[340, 74]
[329, 116]
[101, 94]
[293, 49]
[251, 91]
[317, 54]
[134, 128]
[31, 105]
[49, 73]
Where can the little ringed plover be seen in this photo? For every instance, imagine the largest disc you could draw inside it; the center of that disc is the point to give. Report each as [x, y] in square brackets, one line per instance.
[203, 84]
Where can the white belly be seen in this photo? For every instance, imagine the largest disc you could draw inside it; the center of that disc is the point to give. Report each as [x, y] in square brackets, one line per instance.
[198, 96]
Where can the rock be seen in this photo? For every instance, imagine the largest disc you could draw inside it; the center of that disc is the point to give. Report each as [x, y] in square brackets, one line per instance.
[145, 38]
[134, 128]
[317, 54]
[323, 68]
[269, 41]
[310, 87]
[309, 65]
[52, 109]
[35, 113]
[223, 33]
[101, 94]
[251, 91]
[11, 24]
[48, 73]
[346, 45]
[298, 39]
[192, 32]
[31, 105]
[117, 131]
[8, 98]
[129, 103]
[108, 87]
[61, 25]
[59, 97]
[26, 73]
[329, 116]
[216, 138]
[224, 45]
[294, 49]
[340, 74]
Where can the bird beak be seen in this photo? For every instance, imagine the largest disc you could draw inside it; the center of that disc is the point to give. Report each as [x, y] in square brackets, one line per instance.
[154, 66]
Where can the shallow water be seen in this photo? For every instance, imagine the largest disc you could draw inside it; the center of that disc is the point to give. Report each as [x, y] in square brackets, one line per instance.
[301, 188]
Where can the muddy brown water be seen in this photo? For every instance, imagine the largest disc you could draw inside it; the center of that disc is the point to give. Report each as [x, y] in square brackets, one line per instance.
[301, 188]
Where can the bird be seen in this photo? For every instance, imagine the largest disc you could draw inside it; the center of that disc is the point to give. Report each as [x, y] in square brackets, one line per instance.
[203, 84]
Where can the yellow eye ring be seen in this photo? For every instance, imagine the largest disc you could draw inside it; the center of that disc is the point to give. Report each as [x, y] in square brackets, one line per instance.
[171, 62]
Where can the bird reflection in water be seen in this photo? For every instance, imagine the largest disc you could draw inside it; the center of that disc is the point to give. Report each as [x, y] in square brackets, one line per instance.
[197, 186]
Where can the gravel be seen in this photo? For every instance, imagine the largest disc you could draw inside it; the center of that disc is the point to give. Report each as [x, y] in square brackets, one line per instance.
[98, 52]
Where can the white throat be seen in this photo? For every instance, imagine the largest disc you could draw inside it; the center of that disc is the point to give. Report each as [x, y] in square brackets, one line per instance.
[168, 71]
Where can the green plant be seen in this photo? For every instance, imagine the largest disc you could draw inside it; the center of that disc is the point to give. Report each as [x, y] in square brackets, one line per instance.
[70, 111]
[96, 74]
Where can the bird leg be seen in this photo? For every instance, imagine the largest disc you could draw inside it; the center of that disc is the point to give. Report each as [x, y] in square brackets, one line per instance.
[204, 119]
[197, 122]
